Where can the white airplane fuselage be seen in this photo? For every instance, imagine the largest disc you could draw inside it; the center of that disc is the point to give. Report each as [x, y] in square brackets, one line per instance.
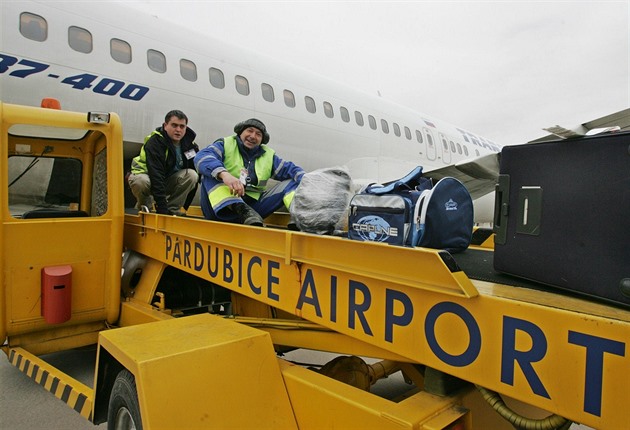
[312, 121]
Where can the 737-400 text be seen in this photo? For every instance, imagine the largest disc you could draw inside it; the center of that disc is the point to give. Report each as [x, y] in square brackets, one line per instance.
[23, 68]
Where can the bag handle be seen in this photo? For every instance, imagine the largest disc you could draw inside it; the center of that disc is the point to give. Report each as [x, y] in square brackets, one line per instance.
[407, 183]
[419, 216]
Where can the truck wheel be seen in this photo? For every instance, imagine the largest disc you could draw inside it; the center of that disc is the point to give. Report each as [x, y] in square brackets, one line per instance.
[124, 411]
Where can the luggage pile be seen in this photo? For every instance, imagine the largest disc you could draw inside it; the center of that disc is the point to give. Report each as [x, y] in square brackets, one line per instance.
[413, 212]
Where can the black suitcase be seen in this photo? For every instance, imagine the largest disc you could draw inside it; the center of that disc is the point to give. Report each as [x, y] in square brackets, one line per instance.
[562, 215]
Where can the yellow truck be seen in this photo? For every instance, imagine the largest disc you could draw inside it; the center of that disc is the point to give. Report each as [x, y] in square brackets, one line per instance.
[193, 319]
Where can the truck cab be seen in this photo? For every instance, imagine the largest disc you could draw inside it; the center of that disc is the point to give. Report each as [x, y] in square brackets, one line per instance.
[62, 225]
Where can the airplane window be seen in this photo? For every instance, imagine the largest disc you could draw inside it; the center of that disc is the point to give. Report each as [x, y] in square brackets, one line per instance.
[188, 70]
[328, 110]
[372, 122]
[310, 104]
[419, 136]
[385, 126]
[289, 98]
[80, 39]
[358, 116]
[120, 51]
[345, 115]
[477, 152]
[33, 27]
[430, 140]
[452, 146]
[267, 92]
[242, 85]
[156, 61]
[459, 149]
[407, 133]
[444, 144]
[396, 129]
[217, 79]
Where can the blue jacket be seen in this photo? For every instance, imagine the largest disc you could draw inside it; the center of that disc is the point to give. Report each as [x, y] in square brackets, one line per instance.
[210, 163]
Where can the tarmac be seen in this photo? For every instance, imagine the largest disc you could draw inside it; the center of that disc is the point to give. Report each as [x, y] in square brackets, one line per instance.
[25, 405]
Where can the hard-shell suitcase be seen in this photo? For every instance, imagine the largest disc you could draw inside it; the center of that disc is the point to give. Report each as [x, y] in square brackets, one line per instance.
[562, 215]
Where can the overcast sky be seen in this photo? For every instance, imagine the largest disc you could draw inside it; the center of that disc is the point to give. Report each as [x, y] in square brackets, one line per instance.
[502, 69]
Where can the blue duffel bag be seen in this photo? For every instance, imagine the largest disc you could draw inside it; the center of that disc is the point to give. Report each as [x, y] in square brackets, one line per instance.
[444, 217]
[412, 212]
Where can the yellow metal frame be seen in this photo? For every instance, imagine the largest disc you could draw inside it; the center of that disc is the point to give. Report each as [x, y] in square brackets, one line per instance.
[342, 406]
[358, 258]
[91, 246]
[205, 366]
[77, 395]
[415, 304]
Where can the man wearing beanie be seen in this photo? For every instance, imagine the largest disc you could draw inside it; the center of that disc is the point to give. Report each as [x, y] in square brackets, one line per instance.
[234, 173]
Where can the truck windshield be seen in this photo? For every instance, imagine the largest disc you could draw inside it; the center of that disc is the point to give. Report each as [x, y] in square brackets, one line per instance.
[38, 182]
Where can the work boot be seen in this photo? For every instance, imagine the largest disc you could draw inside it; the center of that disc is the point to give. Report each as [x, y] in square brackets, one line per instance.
[178, 212]
[247, 215]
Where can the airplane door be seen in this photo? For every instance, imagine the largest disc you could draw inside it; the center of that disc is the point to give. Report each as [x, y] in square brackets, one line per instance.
[446, 153]
[431, 147]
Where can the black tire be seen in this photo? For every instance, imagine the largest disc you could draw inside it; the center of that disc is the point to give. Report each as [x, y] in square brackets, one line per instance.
[123, 412]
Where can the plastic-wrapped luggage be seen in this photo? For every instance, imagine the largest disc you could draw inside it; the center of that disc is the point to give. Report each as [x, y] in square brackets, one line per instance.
[321, 201]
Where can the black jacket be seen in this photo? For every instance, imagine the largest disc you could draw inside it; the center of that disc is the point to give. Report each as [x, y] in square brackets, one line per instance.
[159, 158]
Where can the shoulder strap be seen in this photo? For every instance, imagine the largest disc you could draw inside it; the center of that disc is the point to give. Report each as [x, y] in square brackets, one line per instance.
[407, 182]
[426, 197]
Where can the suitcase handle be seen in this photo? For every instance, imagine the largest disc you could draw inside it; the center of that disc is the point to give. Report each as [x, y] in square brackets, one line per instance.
[501, 209]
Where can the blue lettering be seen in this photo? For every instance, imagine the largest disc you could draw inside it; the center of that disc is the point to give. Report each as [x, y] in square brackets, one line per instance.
[106, 86]
[240, 271]
[169, 245]
[135, 92]
[177, 256]
[187, 254]
[272, 280]
[109, 87]
[596, 347]
[474, 346]
[199, 257]
[309, 284]
[333, 299]
[228, 272]
[32, 67]
[524, 358]
[254, 288]
[359, 308]
[213, 271]
[391, 319]
[6, 61]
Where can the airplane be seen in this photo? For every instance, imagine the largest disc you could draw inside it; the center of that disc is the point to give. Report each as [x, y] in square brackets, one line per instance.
[109, 57]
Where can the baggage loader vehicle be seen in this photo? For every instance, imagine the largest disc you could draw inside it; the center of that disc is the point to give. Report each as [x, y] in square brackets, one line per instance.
[194, 320]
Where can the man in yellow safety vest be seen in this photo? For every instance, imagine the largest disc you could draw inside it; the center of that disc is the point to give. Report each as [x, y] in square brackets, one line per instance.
[234, 174]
